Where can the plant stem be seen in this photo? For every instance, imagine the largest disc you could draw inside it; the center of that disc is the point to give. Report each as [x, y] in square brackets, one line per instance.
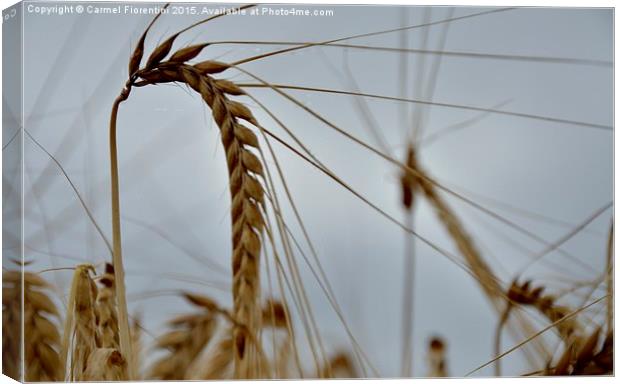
[408, 299]
[117, 257]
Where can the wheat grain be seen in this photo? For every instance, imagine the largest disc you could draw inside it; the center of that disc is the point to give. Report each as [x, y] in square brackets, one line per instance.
[105, 364]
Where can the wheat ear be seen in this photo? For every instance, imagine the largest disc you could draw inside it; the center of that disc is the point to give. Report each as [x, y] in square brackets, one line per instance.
[105, 364]
[185, 342]
[437, 358]
[246, 191]
[587, 359]
[80, 322]
[570, 329]
[339, 366]
[12, 321]
[41, 336]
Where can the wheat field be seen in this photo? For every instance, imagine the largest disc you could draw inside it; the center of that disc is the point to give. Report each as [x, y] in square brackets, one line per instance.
[361, 192]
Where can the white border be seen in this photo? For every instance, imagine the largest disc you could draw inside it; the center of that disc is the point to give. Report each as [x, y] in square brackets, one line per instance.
[539, 3]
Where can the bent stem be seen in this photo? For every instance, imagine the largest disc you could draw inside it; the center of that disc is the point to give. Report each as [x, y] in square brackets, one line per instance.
[117, 257]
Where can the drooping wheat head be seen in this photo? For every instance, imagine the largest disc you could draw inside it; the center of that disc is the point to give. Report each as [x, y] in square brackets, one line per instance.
[244, 168]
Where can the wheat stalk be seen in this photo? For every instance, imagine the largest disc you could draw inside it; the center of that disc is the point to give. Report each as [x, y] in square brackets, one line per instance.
[409, 187]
